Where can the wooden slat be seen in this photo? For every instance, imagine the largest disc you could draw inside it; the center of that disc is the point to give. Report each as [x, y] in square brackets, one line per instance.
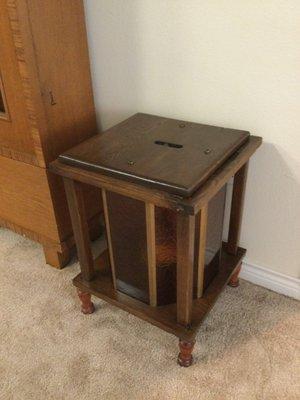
[80, 227]
[151, 253]
[119, 186]
[185, 263]
[109, 240]
[202, 247]
[238, 194]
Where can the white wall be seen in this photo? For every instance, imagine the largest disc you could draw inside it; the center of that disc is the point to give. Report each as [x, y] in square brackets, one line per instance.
[233, 63]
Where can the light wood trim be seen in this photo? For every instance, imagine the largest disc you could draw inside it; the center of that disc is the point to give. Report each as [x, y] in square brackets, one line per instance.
[18, 155]
[185, 267]
[26, 61]
[109, 240]
[202, 247]
[151, 253]
[62, 120]
[25, 199]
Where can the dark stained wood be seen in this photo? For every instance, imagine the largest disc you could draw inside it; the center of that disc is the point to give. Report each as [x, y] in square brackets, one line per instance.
[131, 190]
[234, 280]
[109, 239]
[165, 317]
[158, 152]
[127, 220]
[152, 233]
[190, 205]
[221, 176]
[185, 357]
[237, 203]
[87, 306]
[80, 227]
[185, 266]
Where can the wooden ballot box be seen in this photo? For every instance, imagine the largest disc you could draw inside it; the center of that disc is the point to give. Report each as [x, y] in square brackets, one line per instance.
[163, 187]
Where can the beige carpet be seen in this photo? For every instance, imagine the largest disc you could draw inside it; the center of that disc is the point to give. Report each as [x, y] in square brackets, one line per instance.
[248, 348]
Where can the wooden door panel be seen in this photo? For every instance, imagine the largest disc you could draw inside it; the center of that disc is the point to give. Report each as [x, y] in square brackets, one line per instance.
[25, 198]
[15, 131]
[64, 72]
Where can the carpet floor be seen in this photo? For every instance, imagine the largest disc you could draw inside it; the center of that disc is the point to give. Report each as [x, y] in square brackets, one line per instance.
[248, 347]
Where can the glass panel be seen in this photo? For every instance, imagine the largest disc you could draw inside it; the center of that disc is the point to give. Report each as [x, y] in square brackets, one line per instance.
[165, 237]
[215, 220]
[216, 208]
[127, 220]
[129, 241]
[165, 226]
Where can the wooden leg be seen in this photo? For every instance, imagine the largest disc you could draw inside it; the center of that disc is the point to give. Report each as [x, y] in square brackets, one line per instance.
[87, 306]
[234, 280]
[55, 258]
[185, 357]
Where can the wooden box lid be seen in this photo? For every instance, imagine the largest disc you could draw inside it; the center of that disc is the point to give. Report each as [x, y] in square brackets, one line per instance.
[163, 153]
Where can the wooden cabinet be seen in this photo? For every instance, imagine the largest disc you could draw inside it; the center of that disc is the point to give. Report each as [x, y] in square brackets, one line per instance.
[163, 201]
[46, 107]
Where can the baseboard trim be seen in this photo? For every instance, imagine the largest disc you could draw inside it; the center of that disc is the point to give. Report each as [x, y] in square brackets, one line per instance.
[272, 280]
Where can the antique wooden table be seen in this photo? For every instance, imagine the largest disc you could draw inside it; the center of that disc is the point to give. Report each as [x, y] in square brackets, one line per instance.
[163, 186]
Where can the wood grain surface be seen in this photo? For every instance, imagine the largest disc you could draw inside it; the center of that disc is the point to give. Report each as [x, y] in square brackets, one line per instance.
[160, 152]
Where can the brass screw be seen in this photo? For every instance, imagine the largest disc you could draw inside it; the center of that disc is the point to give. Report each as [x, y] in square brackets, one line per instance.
[207, 151]
[130, 162]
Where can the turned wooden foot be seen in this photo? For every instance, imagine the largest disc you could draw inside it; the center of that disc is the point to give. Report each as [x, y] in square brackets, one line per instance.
[87, 306]
[185, 357]
[234, 280]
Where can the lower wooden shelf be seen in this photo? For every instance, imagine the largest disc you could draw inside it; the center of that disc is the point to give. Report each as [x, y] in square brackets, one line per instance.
[164, 316]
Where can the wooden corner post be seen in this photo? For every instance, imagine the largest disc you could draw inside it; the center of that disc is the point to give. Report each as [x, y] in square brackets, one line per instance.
[202, 247]
[80, 227]
[185, 266]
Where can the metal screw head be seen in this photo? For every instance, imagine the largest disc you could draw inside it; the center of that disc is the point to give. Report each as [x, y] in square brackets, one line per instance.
[182, 125]
[207, 151]
[130, 162]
